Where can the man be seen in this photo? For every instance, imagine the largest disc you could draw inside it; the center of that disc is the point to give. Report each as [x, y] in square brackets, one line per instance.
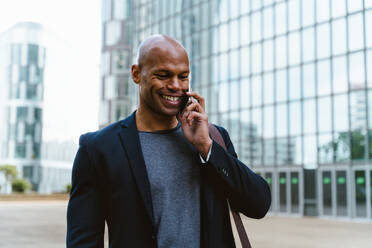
[157, 178]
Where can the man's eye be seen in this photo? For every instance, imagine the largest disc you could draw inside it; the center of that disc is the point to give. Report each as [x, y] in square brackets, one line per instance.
[184, 77]
[162, 76]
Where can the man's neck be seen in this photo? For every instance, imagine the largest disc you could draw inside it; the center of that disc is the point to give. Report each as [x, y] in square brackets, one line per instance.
[151, 121]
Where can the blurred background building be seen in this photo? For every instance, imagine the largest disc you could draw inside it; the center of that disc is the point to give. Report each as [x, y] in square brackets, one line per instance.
[290, 80]
[117, 95]
[22, 67]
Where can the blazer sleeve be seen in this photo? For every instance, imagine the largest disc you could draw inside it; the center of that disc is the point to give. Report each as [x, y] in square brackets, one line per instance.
[85, 215]
[247, 192]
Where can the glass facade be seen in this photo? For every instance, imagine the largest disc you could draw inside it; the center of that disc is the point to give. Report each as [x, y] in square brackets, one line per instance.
[117, 92]
[290, 80]
[22, 66]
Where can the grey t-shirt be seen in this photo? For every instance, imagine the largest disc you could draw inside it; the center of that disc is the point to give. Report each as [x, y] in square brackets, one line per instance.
[175, 187]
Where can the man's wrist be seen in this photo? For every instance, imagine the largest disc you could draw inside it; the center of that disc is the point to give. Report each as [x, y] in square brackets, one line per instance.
[205, 148]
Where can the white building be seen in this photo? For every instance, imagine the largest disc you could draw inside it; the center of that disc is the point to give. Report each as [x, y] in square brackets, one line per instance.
[22, 67]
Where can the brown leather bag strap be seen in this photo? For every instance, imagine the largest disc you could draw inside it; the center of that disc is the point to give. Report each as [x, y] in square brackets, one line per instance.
[217, 137]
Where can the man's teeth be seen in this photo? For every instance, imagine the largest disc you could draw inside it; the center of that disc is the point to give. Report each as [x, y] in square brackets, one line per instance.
[171, 98]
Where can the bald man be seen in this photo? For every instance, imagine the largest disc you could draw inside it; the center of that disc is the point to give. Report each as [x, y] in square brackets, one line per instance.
[156, 177]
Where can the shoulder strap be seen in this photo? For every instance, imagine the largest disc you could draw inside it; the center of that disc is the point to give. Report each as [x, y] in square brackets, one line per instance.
[217, 137]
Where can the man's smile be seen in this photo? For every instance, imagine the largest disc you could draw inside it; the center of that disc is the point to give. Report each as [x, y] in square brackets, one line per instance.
[171, 98]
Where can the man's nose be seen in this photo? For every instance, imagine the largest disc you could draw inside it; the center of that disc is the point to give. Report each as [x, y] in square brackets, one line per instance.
[175, 84]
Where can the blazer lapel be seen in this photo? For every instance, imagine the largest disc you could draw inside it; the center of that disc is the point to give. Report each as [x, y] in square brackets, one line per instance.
[132, 147]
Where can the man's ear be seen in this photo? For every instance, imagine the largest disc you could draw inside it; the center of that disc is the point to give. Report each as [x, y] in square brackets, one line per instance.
[136, 74]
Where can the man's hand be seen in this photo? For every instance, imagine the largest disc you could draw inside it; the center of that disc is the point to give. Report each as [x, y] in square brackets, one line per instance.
[195, 127]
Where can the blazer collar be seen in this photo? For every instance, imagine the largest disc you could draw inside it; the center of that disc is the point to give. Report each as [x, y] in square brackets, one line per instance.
[132, 147]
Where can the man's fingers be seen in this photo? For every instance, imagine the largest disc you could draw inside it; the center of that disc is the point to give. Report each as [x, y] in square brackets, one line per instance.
[198, 97]
[195, 115]
[195, 106]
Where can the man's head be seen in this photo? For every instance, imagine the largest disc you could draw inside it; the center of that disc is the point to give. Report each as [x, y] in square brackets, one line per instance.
[162, 73]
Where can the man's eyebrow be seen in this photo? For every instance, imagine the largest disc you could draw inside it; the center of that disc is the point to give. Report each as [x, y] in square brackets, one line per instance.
[162, 71]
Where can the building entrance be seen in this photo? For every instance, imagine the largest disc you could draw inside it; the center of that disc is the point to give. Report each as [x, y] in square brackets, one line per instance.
[286, 186]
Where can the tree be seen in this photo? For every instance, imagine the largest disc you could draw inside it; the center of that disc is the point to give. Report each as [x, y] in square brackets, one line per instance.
[10, 172]
[20, 185]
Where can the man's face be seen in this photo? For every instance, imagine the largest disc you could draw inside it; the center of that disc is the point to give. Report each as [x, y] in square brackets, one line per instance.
[164, 80]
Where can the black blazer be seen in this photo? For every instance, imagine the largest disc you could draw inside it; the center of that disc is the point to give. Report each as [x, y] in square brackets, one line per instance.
[109, 182]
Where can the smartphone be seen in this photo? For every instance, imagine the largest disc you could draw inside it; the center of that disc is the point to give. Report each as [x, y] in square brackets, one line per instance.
[185, 102]
[185, 99]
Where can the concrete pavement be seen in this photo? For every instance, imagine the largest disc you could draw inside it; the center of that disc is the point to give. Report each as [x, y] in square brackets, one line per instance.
[42, 224]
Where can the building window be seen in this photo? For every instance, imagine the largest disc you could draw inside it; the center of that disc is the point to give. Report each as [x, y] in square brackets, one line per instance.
[20, 150]
[113, 32]
[120, 61]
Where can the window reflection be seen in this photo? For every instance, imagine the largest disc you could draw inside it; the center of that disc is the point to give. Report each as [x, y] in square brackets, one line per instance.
[323, 41]
[310, 151]
[256, 4]
[368, 16]
[307, 12]
[339, 36]
[244, 7]
[324, 118]
[224, 68]
[244, 93]
[370, 109]
[294, 14]
[354, 5]
[245, 61]
[295, 46]
[269, 151]
[256, 136]
[309, 116]
[234, 33]
[309, 80]
[308, 44]
[369, 68]
[234, 95]
[256, 26]
[358, 110]
[340, 113]
[324, 78]
[281, 120]
[268, 88]
[256, 58]
[338, 8]
[325, 148]
[268, 55]
[234, 9]
[268, 131]
[234, 64]
[281, 86]
[281, 52]
[339, 75]
[268, 22]
[295, 118]
[367, 4]
[223, 97]
[245, 30]
[257, 120]
[356, 70]
[280, 18]
[256, 91]
[322, 10]
[355, 32]
[294, 83]
[224, 37]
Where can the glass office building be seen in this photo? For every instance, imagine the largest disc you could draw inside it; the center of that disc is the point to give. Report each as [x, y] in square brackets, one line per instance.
[117, 96]
[291, 80]
[22, 70]
[22, 85]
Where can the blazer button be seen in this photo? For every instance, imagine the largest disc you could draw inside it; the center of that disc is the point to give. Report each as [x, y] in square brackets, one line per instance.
[153, 237]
